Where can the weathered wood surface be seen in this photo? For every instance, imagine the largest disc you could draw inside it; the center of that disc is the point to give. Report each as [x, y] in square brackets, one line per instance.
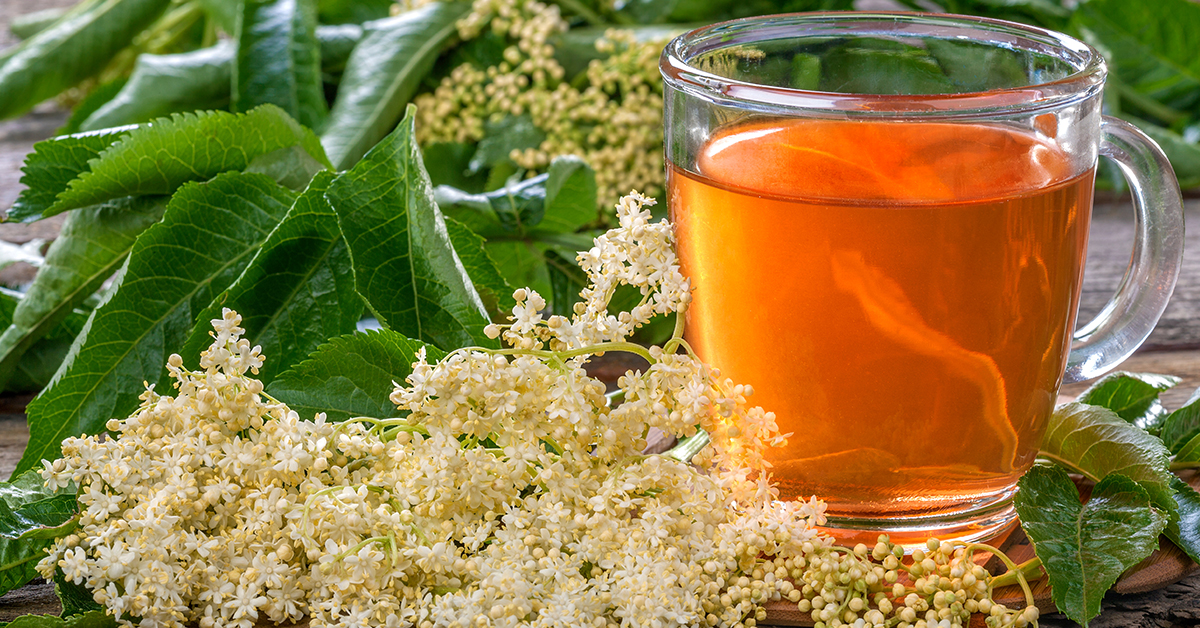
[1174, 347]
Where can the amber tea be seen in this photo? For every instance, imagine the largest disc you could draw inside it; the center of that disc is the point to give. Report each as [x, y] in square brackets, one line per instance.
[884, 217]
[911, 339]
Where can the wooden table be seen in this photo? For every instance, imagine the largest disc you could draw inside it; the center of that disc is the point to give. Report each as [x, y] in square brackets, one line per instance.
[1173, 348]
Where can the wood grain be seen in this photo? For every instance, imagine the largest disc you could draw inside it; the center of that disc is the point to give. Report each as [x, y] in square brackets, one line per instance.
[1109, 248]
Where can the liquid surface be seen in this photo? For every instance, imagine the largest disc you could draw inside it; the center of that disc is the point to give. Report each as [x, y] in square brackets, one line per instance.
[913, 338]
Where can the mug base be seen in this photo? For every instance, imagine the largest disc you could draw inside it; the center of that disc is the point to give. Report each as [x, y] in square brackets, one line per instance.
[980, 524]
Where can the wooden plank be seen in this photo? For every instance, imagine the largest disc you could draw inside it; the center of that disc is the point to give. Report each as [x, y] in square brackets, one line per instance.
[1109, 250]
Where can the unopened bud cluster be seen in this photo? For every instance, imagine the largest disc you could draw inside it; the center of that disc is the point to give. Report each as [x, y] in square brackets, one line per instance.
[511, 493]
[611, 116]
[881, 588]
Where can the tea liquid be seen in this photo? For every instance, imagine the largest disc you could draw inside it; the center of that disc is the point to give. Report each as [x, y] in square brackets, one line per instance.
[912, 339]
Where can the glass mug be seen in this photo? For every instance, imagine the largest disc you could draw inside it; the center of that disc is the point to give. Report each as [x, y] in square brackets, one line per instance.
[884, 218]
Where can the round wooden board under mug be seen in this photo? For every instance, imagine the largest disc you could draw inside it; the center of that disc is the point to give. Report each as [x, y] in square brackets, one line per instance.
[1167, 565]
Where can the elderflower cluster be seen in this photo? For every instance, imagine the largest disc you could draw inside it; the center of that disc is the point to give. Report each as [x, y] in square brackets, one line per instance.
[187, 513]
[611, 116]
[512, 492]
[636, 253]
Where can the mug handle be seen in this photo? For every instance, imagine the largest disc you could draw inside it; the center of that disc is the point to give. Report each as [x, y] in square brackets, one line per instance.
[1129, 317]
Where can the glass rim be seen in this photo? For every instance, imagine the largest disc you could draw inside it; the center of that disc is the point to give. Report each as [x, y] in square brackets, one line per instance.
[1086, 80]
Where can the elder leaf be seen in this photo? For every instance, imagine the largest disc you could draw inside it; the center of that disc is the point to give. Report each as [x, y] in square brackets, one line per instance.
[208, 234]
[164, 84]
[1150, 47]
[1085, 547]
[1182, 425]
[1095, 442]
[278, 59]
[72, 49]
[31, 517]
[570, 195]
[34, 371]
[89, 249]
[160, 156]
[1189, 452]
[382, 74]
[404, 264]
[1133, 396]
[351, 375]
[52, 165]
[1184, 531]
[493, 288]
[296, 293]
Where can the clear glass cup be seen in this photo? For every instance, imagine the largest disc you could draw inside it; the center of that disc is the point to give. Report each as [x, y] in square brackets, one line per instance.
[884, 218]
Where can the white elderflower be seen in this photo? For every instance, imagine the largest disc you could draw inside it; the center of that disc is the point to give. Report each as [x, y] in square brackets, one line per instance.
[511, 493]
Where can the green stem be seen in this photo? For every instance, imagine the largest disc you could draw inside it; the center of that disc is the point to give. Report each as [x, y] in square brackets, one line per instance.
[628, 347]
[1032, 569]
[1182, 465]
[1068, 464]
[582, 10]
[1012, 567]
[687, 448]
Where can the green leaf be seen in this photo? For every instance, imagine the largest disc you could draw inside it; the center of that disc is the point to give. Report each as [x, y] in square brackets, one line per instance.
[91, 619]
[75, 599]
[207, 235]
[98, 97]
[493, 289]
[296, 293]
[223, 13]
[509, 211]
[353, 11]
[34, 371]
[522, 263]
[337, 42]
[27, 488]
[90, 247]
[352, 375]
[164, 84]
[278, 59]
[1189, 452]
[1095, 442]
[570, 195]
[404, 264]
[1149, 47]
[1184, 155]
[876, 66]
[30, 24]
[559, 201]
[567, 279]
[1185, 531]
[43, 519]
[1085, 547]
[1133, 396]
[382, 74]
[160, 156]
[291, 167]
[447, 165]
[52, 165]
[576, 48]
[31, 517]
[500, 138]
[979, 66]
[74, 48]
[1182, 425]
